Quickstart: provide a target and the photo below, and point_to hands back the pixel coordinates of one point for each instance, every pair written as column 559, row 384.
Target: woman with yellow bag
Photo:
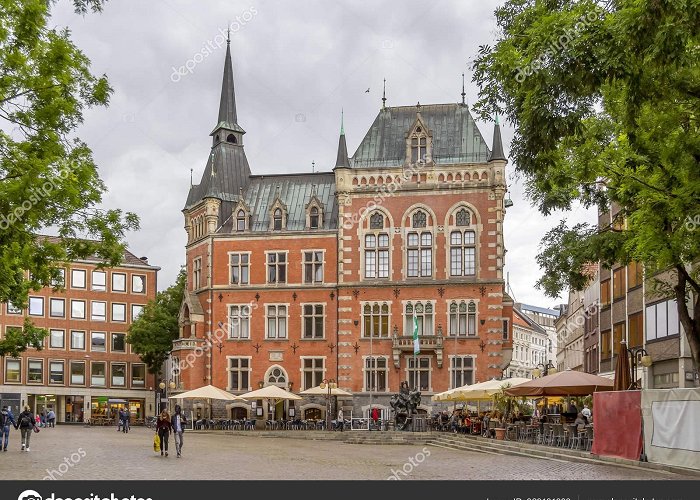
column 163, row 430
column 156, row 442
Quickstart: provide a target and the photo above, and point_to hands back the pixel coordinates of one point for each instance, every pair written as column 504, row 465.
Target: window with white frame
column 419, row 373
column 36, row 306
column 57, row 339
column 419, row 146
column 240, row 268
column 239, row 322
column 420, row 314
column 312, row 371
column 376, row 373
column 77, row 278
column 98, row 341
column 240, row 220
column 312, row 319
column 118, row 342
column 77, row 372
column 375, row 320
column 118, row 374
column 238, row 374
column 98, row 373
column 118, row 282
column 277, row 219
column 138, row 282
column 461, row 371
column 136, row 311
column 118, row 312
column 12, row 309
column 35, row 371
column 662, row 320
column 462, row 253
column 376, row 252
column 277, row 267
column 99, row 281
column 56, row 370
column 197, row 273
column 98, row 310
column 313, row 267
column 77, row 309
column 314, row 218
column 276, row 321
column 57, row 308
column 419, row 248
column 463, row 318
column 77, row 340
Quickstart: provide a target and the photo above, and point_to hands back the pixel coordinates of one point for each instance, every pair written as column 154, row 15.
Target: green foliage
column 16, row 341
column 511, row 405
column 151, row 335
column 605, row 101
column 48, row 179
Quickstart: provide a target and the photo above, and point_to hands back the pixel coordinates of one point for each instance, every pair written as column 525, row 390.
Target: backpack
column 25, row 420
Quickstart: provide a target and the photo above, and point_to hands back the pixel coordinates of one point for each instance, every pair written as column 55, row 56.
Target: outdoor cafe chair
column 577, row 437
column 589, row 438
column 558, row 436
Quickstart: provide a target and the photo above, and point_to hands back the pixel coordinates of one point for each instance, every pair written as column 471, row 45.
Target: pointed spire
column 342, row 121
column 463, row 93
column 228, row 118
column 342, row 161
column 497, row 147
column 384, row 95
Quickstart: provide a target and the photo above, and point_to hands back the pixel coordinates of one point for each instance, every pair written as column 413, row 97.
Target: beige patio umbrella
column 486, row 390
column 208, row 392
column 272, row 392
column 317, row 391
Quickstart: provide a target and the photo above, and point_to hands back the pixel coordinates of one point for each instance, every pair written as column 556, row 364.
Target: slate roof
column 227, row 170
column 538, row 309
column 128, row 258
column 456, row 138
column 295, row 191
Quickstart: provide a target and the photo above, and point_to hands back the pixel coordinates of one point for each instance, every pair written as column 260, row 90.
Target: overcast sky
column 296, row 65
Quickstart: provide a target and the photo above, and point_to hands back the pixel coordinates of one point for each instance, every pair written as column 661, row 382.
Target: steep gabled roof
column 456, row 138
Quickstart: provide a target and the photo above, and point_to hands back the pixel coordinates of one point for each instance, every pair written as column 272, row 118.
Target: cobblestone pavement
column 68, row 452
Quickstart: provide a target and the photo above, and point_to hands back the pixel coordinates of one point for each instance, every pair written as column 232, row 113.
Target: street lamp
column 639, row 356
column 548, row 369
column 330, row 385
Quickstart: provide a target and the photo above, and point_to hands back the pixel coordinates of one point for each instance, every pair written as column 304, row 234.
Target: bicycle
column 151, row 422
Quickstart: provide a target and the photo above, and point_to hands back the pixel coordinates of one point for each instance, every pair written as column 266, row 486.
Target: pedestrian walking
column 26, row 423
column 6, row 418
column 164, row 428
column 127, row 419
column 340, row 422
column 120, row 419
column 375, row 417
column 51, row 418
column 42, row 418
column 178, row 423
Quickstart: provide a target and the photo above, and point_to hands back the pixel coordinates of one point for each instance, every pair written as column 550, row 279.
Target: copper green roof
column 456, row 138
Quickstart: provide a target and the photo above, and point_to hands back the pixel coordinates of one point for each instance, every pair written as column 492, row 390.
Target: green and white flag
column 416, row 342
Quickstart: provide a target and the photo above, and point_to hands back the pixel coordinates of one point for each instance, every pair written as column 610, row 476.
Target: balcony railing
column 426, row 343
column 186, row 343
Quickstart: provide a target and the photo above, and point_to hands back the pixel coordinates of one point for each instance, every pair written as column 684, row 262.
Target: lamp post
column 638, row 356
column 548, row 369
column 163, row 393
column 330, row 385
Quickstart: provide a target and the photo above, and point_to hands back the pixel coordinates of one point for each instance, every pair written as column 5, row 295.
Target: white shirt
column 178, row 428
column 586, row 412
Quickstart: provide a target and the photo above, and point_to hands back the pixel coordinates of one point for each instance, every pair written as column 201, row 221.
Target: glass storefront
column 104, row 407
column 75, row 409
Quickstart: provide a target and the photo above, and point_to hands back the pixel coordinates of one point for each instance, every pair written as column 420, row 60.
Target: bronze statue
column 404, row 405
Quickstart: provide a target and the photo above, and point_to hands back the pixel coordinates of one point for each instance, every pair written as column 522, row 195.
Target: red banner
column 617, row 421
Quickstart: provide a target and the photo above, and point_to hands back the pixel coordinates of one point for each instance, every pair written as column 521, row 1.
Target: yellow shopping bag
column 156, row 443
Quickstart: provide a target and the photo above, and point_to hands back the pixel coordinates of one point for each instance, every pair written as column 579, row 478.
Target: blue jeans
column 5, row 431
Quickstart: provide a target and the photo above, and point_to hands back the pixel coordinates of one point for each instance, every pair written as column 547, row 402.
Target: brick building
column 297, row 278
column 85, row 366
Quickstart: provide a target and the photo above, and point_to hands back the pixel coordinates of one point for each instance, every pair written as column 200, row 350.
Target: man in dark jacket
column 6, row 419
column 178, row 422
column 26, row 423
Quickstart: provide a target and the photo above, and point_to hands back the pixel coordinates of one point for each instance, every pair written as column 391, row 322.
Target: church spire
column 228, row 118
column 497, row 146
column 342, row 161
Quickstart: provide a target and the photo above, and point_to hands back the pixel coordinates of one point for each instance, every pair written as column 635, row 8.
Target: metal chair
column 578, row 437
column 558, row 436
column 589, row 438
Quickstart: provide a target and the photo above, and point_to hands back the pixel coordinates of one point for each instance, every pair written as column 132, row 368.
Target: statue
column 404, row 404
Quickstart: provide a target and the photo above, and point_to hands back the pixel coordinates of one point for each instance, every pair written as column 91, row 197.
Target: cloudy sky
column 296, row 65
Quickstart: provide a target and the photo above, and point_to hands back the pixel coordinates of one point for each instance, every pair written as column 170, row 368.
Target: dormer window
column 240, row 221
column 231, row 138
column 313, row 218
column 277, row 220
column 419, row 148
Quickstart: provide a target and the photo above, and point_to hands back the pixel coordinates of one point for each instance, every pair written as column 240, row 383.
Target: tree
column 151, row 335
column 605, row 101
column 48, row 179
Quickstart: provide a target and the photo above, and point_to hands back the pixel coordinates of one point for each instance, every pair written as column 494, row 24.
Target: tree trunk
column 691, row 325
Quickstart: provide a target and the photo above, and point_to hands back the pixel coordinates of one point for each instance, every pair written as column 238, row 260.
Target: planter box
column 500, row 433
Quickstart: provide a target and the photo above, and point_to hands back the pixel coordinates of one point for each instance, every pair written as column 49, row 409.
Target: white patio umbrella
column 272, row 392
column 208, row 392
column 317, row 391
column 486, row 390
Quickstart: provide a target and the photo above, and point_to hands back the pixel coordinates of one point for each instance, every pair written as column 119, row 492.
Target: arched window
column 277, row 376
column 277, row 220
column 419, row 315
column 313, row 218
column 419, row 248
column 376, row 253
column 462, row 319
column 462, row 218
column 231, row 138
column 240, row 220
column 419, row 146
column 375, row 320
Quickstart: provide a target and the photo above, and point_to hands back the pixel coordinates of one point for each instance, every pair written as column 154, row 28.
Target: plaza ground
column 102, row 453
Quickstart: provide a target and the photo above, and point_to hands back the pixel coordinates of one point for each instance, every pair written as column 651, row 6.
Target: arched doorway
column 276, row 375
column 239, row 413
column 312, row 414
